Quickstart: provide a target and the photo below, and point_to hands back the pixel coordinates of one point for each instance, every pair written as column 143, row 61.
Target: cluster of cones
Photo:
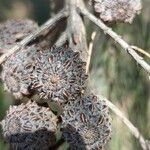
column 48, row 76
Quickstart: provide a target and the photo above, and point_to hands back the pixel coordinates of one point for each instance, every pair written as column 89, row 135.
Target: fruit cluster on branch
column 46, row 75
column 55, row 74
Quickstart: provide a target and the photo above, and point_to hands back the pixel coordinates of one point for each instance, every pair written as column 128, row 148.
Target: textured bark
column 76, row 29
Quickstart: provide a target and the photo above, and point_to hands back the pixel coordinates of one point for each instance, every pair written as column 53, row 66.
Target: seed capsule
column 89, row 127
column 52, row 76
column 117, row 10
column 13, row 31
column 29, row 126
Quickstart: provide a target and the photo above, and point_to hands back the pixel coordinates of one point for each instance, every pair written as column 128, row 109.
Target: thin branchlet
column 29, row 126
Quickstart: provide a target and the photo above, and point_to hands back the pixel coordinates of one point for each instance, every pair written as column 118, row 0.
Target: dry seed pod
column 86, row 123
column 117, row 10
column 13, row 31
column 60, row 75
column 56, row 74
column 16, row 72
column 29, row 126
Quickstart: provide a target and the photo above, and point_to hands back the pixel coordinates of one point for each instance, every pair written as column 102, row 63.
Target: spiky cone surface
column 117, row 10
column 86, row 123
column 29, row 126
column 56, row 74
column 13, row 31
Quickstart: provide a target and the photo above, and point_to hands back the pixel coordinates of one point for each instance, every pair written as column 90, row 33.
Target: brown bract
column 29, row 126
column 86, row 123
column 117, row 10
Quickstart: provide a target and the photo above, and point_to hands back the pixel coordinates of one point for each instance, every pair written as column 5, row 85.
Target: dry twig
column 62, row 39
column 116, row 37
column 46, row 26
column 132, row 128
column 90, row 51
column 142, row 51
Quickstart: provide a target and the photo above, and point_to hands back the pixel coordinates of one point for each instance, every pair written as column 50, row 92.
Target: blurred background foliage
column 113, row 73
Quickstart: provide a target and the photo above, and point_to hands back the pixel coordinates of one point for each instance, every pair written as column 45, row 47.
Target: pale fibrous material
column 29, row 126
column 86, row 123
column 117, row 10
column 14, row 30
column 56, row 74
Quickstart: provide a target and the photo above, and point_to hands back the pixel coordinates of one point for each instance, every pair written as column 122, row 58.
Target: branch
column 116, row 37
column 46, row 26
column 132, row 128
